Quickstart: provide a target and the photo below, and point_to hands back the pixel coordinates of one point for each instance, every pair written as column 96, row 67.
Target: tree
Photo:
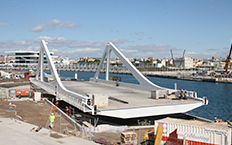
column 96, row 61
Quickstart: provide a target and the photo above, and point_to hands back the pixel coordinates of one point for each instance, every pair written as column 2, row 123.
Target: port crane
column 172, row 58
column 182, row 60
column 228, row 62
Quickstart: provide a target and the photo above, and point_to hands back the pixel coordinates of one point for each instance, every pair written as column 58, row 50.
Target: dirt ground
column 31, row 112
column 38, row 114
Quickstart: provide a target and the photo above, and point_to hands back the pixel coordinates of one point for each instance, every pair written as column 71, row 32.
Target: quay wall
column 159, row 72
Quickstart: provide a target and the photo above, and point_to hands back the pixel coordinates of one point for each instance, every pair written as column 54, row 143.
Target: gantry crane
column 227, row 62
column 172, row 58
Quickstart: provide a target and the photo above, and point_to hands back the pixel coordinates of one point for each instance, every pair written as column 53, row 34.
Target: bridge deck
column 139, row 102
column 135, row 98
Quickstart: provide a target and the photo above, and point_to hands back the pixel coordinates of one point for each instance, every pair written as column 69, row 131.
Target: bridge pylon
column 144, row 83
column 56, row 88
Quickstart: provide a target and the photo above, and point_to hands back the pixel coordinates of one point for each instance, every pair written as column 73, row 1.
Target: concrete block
column 100, row 100
column 37, row 96
column 155, row 94
column 165, row 96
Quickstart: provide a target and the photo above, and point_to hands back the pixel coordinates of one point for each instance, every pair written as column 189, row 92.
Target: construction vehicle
column 227, row 62
column 148, row 138
column 211, row 74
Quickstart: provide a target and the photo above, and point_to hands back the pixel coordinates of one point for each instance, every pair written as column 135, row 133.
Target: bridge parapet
column 81, row 102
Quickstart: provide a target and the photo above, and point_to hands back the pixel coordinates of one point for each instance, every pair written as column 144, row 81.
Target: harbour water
column 218, row 94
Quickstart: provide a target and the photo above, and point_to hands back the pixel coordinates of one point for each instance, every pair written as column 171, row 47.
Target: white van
column 8, row 76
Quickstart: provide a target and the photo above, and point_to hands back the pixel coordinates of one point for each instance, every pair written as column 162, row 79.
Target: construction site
column 23, row 120
column 34, row 110
column 36, row 113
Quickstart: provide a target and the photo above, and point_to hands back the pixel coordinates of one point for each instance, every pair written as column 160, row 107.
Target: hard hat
column 52, row 114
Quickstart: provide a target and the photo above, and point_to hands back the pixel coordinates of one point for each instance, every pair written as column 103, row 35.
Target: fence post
column 60, row 122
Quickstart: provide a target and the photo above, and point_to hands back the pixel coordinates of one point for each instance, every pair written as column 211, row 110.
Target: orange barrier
column 24, row 92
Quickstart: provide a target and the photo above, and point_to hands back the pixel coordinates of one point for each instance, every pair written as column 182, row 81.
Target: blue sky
column 139, row 28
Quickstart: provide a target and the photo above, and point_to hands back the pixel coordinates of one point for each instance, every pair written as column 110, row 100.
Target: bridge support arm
column 143, row 81
column 57, row 89
column 41, row 63
column 108, row 63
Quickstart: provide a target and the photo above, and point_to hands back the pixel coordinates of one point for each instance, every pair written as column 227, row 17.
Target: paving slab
column 16, row 132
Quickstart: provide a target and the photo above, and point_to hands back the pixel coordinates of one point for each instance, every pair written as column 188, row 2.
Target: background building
column 185, row 62
column 26, row 57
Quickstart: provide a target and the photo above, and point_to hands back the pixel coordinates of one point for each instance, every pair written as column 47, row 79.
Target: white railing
column 72, row 98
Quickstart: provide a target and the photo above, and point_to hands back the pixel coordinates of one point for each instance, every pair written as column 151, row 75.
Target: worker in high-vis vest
column 215, row 120
column 52, row 120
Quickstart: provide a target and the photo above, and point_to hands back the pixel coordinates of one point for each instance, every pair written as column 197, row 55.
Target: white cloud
column 212, row 49
column 30, row 48
column 55, row 50
column 220, row 53
column 139, row 33
column 62, row 46
column 118, row 41
column 52, row 24
column 147, row 50
column 124, row 50
column 73, row 48
column 38, row 28
column 190, row 53
column 70, row 25
column 2, row 23
column 151, row 47
column 85, row 50
column 59, row 45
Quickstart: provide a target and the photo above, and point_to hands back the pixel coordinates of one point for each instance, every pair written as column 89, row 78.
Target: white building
column 185, row 62
column 26, row 57
column 65, row 61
